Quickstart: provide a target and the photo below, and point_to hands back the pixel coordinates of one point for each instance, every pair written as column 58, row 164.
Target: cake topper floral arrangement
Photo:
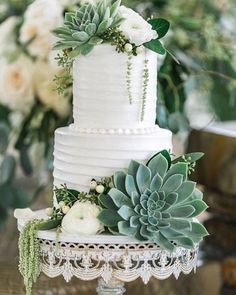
column 107, row 22
column 155, row 203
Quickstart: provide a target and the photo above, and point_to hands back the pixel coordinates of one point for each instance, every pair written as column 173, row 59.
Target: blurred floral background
column 202, row 38
column 192, row 94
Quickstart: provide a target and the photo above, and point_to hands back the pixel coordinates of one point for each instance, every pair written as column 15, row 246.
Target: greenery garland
column 128, row 78
column 29, row 251
column 145, row 84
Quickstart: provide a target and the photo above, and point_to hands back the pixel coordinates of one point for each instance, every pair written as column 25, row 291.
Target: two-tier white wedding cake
column 108, row 131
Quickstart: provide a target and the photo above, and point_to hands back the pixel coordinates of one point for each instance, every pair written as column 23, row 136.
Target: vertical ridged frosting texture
column 100, row 95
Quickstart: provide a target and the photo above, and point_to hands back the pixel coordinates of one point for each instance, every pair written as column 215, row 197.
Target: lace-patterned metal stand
column 113, row 259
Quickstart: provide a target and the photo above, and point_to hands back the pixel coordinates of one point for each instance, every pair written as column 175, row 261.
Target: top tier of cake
column 105, row 82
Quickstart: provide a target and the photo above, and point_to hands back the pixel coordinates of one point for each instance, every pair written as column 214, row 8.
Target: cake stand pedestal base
column 114, row 287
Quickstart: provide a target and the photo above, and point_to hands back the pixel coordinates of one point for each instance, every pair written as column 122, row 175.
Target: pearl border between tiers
column 120, row 131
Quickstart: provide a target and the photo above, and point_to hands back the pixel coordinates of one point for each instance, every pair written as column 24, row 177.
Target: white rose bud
column 93, row 185
column 49, row 211
column 65, row 209
column 61, row 204
column 128, row 47
column 139, row 50
column 100, row 189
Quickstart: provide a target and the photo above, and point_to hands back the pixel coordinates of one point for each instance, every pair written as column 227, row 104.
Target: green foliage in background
column 203, row 38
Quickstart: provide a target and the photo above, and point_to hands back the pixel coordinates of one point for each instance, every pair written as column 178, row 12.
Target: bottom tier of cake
column 80, row 157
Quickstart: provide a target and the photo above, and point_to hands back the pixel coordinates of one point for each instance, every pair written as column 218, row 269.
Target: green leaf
column 180, row 224
column 182, row 212
column 125, row 229
column 130, row 185
column 199, row 229
column 109, row 217
column 143, row 177
column 25, row 161
column 192, row 157
column 160, row 25
column 115, row 8
column 159, row 165
column 164, row 153
column 156, row 46
column 184, row 242
column 133, row 168
column 49, row 224
column 69, row 16
column 199, row 207
column 7, row 169
column 90, row 29
column 4, row 132
column 95, row 41
column 185, row 190
column 102, row 27
column 119, row 198
column 126, row 212
column 86, row 49
column 171, row 198
column 119, row 181
column 172, row 183
column 81, row 36
column 156, row 183
column 163, row 242
column 178, row 168
column 106, row 201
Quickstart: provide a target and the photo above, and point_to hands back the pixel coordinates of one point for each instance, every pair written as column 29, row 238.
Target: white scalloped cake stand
column 112, row 259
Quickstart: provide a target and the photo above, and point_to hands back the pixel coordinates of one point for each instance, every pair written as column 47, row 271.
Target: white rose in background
column 135, row 28
column 40, row 18
column 7, row 38
column 45, row 89
column 82, row 219
column 16, row 84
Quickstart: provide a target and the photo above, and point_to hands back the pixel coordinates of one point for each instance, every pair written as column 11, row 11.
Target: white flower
column 7, row 38
column 40, row 18
column 82, row 219
column 135, row 28
column 45, row 89
column 16, row 84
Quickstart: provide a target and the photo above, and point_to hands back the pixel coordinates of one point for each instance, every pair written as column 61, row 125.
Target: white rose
column 40, row 18
column 7, row 38
column 82, row 219
column 16, row 84
column 45, row 89
column 135, row 28
column 47, row 9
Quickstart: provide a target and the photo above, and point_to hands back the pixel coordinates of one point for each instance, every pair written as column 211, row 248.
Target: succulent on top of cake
column 108, row 22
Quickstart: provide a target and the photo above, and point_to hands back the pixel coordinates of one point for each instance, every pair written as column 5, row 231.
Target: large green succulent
column 82, row 29
column 155, row 202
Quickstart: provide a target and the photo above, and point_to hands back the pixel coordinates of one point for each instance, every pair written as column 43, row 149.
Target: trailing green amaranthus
column 29, row 250
column 155, row 202
column 83, row 28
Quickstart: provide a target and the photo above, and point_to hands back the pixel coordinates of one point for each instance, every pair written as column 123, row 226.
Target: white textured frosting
column 100, row 95
column 79, row 157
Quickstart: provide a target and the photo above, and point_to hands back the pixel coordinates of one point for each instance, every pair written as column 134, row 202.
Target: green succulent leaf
column 172, row 183
column 119, row 198
column 119, row 179
column 156, row 203
column 143, row 177
column 109, row 218
column 158, row 164
column 106, row 201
